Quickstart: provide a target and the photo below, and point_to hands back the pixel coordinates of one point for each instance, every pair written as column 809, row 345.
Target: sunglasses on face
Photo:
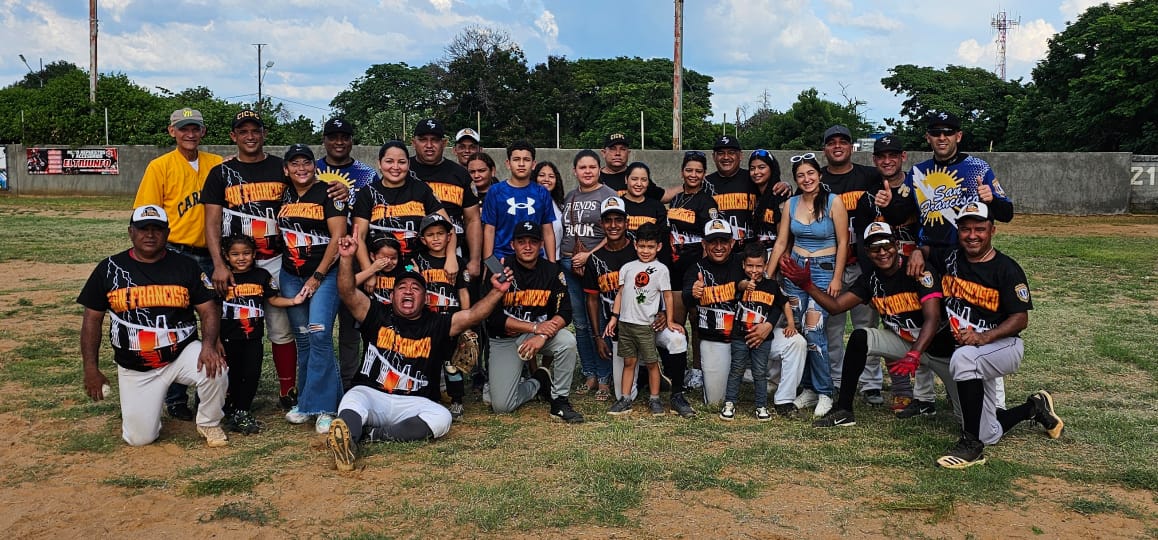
column 935, row 132
column 880, row 247
column 802, row 157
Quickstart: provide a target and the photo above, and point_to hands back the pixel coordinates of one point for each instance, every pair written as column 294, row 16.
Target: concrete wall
column 1072, row 184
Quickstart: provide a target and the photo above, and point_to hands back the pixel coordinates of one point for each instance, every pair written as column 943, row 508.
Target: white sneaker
column 806, row 399
column 295, row 417
column 823, row 405
column 323, row 423
column 728, row 412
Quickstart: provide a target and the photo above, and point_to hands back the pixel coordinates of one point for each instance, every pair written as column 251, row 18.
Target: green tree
column 487, row 79
column 387, row 96
column 982, row 101
column 1095, row 89
column 802, row 125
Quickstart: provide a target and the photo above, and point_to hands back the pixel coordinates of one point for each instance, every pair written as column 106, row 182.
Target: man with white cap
column 466, row 143
column 710, row 286
column 153, row 295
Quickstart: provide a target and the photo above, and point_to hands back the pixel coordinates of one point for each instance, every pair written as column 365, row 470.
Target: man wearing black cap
column 915, row 333
column 339, row 166
column 851, row 181
column 534, row 318
column 153, row 295
column 453, row 187
column 987, row 302
column 949, row 181
column 395, row 392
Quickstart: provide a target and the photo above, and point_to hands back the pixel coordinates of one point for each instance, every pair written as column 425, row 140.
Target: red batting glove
column 906, row 366
column 800, row 276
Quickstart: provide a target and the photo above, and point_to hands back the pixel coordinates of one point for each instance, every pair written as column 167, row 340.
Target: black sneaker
column 620, row 407
column 917, row 408
column 785, row 410
column 180, row 411
column 544, row 377
column 1045, row 415
column 561, row 410
column 656, row 407
column 966, row 453
column 873, row 397
column 289, row 400
column 244, row 422
column 680, row 406
column 836, row 418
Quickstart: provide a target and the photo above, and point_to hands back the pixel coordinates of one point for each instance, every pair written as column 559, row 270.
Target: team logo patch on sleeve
column 1022, row 292
column 997, row 188
column 562, row 279
column 206, row 281
column 927, row 280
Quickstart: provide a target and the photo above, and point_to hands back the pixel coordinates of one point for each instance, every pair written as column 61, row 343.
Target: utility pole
column 677, row 109
column 259, row 74
column 92, row 46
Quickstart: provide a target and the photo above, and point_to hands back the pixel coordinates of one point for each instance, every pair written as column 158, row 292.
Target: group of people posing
column 405, row 257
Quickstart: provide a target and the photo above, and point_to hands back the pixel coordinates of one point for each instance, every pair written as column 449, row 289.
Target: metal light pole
column 260, row 75
column 38, row 75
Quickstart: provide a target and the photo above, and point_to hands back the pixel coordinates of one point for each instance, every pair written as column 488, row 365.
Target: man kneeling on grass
column 395, row 390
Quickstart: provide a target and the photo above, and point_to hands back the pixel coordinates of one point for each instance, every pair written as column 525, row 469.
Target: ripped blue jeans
column 319, row 381
column 810, row 317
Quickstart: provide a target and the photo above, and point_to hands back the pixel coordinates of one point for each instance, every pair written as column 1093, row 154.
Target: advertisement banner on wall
column 72, row 161
column 3, row 169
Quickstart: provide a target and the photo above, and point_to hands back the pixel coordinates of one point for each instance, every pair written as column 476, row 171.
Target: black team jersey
column 304, row 229
column 396, row 211
column 602, row 276
column 765, row 303
column 766, row 217
column 687, row 215
column 250, row 195
column 735, row 199
column 980, row 295
column 404, row 356
column 150, row 304
column 452, row 187
column 536, row 294
column 441, row 292
column 243, row 308
column 716, row 311
column 898, row 299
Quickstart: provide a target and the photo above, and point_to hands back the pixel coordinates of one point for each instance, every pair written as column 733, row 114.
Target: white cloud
column 442, row 6
column 1026, row 44
column 1071, row 9
column 548, row 28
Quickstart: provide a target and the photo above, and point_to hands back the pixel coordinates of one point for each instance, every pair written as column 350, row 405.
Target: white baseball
column 106, row 389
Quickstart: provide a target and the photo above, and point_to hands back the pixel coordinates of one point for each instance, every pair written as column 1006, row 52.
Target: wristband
column 319, row 276
column 614, row 314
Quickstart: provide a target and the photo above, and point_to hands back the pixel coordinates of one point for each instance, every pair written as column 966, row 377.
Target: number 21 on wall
column 1139, row 173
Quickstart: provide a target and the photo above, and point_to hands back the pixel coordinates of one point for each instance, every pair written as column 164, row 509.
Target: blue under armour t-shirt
column 506, row 205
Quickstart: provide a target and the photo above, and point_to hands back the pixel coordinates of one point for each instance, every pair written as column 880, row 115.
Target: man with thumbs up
column 711, row 286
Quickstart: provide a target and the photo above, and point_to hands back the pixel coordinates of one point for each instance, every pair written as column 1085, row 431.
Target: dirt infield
column 112, row 490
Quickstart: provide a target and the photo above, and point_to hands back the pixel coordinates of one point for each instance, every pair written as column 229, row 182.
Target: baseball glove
column 466, row 353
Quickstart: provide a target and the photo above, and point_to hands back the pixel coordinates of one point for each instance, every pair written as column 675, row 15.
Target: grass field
column 1091, row 342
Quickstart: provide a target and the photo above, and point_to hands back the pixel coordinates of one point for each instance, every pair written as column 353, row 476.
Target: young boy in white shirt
column 642, row 283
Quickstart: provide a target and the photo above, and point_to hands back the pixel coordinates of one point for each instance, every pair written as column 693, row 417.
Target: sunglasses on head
column 693, row 153
column 941, row 131
column 802, row 157
column 762, row 153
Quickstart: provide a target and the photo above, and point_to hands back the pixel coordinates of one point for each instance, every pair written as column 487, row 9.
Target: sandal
column 602, row 394
column 584, row 389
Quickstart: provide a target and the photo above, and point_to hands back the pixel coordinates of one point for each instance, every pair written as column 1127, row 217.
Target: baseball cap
column 612, row 205
column 528, row 229
column 888, row 143
column 183, row 117
column 614, row 139
column 409, row 271
column 836, row 130
column 879, row 230
column 977, row 210
column 149, row 214
column 430, row 126
column 717, row 228
column 338, row 125
column 467, row 133
column 247, row 116
column 431, row 220
column 942, row 118
column 298, row 149
column 727, row 141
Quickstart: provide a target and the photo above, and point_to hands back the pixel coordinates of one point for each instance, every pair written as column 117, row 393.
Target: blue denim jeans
column 744, row 358
column 817, row 375
column 589, row 360
column 319, row 381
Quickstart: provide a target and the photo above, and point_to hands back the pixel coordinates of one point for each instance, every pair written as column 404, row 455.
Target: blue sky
column 749, row 46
